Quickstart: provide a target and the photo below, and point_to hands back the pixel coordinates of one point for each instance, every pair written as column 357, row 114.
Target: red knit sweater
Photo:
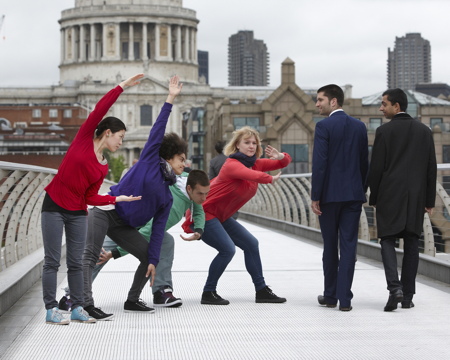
column 235, row 185
column 80, row 174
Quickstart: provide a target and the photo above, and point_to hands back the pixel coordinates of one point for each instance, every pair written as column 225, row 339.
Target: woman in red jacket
column 236, row 184
column 76, row 185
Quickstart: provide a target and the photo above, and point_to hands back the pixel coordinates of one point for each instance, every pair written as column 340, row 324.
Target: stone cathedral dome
column 105, row 40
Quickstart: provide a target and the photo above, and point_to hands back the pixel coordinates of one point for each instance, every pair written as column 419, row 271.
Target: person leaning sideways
column 189, row 192
column 236, row 184
column 339, row 171
column 402, row 180
column 76, row 184
column 161, row 160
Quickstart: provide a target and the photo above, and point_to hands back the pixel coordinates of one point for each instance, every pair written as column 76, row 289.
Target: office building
column 248, row 60
column 409, row 63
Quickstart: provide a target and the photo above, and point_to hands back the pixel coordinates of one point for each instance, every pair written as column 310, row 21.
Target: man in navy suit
column 339, row 170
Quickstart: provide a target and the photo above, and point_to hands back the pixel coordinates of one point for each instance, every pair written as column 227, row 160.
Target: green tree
column 116, row 166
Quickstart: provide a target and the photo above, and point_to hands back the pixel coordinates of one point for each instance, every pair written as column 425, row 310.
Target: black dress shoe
column 342, row 308
column 394, row 299
column 322, row 301
column 407, row 304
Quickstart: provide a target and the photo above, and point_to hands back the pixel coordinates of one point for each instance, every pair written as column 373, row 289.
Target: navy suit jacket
column 340, row 159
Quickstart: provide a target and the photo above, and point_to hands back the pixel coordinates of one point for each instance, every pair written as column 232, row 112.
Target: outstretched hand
column 194, row 236
column 104, row 257
column 121, row 198
column 276, row 177
column 273, row 154
column 151, row 271
column 134, row 80
column 174, row 88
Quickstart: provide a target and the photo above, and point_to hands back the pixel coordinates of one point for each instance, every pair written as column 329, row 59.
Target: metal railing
column 289, row 200
column 21, row 195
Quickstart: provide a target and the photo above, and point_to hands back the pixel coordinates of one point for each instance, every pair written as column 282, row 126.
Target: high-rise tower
column 409, row 63
column 248, row 60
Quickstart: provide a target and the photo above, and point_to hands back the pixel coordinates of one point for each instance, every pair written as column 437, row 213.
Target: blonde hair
column 243, row 133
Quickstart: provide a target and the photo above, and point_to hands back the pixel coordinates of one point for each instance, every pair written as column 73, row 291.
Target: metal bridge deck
column 298, row 329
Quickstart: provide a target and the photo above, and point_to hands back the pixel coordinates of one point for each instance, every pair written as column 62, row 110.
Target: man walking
column 339, row 170
column 402, row 182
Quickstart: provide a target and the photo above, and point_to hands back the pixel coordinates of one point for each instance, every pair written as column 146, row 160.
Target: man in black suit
column 402, row 180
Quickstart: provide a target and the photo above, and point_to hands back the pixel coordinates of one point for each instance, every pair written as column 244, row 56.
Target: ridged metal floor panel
column 298, row 329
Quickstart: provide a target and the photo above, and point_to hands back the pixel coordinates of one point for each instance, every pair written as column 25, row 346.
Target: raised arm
column 174, row 89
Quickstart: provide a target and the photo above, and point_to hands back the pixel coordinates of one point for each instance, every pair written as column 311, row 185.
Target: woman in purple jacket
column 162, row 158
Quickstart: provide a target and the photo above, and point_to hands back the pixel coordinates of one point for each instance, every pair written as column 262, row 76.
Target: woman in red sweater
column 76, row 184
column 236, row 184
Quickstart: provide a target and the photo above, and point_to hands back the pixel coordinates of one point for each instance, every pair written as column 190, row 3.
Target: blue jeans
column 224, row 237
column 75, row 226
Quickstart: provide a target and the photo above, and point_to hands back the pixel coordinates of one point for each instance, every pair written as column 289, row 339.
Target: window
column 37, row 113
column 53, row 113
column 146, row 115
column 446, row 153
column 300, row 157
column 435, row 121
column 125, row 51
column 67, row 113
column 240, row 122
column 374, row 123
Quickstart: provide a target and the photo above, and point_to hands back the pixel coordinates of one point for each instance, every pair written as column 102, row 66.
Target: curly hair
column 172, row 145
column 243, row 133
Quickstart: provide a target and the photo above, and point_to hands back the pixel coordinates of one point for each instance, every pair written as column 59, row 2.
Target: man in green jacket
column 189, row 191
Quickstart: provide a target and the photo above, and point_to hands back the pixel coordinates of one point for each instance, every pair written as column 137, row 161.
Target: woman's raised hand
column 273, row 154
column 134, row 80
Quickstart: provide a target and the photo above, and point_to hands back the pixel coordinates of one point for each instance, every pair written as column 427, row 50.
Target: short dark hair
column 397, row 96
column 219, row 146
column 112, row 123
column 172, row 145
column 332, row 91
column 197, row 177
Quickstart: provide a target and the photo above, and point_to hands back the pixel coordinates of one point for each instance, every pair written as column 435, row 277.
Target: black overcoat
column 402, row 175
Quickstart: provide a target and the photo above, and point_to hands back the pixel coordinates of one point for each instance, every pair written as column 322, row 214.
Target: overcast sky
column 330, row 41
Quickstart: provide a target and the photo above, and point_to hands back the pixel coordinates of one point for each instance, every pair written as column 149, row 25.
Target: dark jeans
column 53, row 224
column 100, row 224
column 224, row 237
column 409, row 265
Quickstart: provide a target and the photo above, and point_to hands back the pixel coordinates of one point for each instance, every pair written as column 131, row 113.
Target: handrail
column 21, row 195
column 289, row 200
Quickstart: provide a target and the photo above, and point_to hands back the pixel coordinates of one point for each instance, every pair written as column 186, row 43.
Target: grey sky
column 343, row 42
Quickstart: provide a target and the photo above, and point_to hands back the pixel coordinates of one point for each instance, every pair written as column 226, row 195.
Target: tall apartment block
column 248, row 60
column 409, row 63
column 203, row 65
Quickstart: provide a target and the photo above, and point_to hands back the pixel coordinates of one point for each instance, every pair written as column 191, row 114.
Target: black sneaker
column 138, row 306
column 65, row 305
column 213, row 298
column 98, row 313
column 165, row 298
column 266, row 295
